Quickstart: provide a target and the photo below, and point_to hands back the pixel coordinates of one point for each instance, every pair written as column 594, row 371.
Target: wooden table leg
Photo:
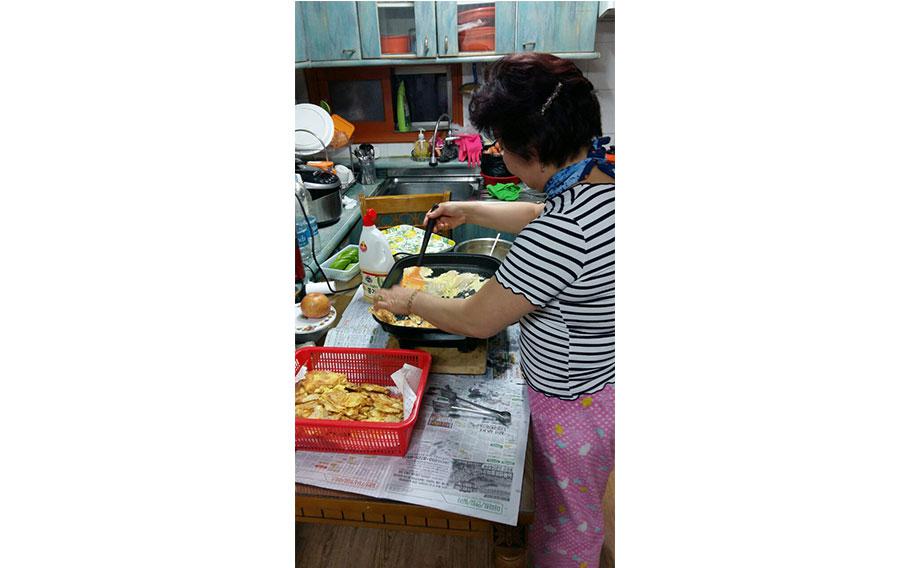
column 510, row 546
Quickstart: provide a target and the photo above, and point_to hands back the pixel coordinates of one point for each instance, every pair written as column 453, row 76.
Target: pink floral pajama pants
column 573, row 456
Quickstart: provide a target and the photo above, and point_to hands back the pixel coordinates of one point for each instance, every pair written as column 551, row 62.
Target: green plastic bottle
column 404, row 114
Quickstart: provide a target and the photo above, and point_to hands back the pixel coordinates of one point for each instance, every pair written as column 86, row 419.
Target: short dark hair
column 508, row 107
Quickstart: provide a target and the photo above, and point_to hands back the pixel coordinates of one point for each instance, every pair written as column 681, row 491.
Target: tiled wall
column 598, row 71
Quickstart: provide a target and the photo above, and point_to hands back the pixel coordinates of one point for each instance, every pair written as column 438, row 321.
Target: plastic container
column 406, row 239
column 343, row 126
column 394, row 44
column 376, row 259
column 340, row 275
column 421, row 148
column 305, row 232
column 361, row 366
column 487, row 14
column 314, row 232
column 477, row 39
column 402, row 110
column 301, row 229
column 490, row 180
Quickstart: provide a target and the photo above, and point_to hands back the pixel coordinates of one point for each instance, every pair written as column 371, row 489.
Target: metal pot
column 484, row 246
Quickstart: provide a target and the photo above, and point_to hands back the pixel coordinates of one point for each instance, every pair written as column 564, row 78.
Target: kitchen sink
column 463, row 187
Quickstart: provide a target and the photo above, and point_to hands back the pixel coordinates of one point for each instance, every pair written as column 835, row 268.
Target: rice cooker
column 325, row 195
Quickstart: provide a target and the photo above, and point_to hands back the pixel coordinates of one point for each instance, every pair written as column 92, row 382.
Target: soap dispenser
column 421, row 148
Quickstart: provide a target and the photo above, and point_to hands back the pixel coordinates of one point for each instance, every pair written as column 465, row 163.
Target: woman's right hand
column 448, row 215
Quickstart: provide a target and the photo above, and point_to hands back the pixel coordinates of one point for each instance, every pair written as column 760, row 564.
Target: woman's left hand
column 395, row 299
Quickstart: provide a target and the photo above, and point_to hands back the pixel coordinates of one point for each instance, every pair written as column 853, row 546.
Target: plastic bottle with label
column 305, row 229
column 302, row 229
column 376, row 257
column 421, row 149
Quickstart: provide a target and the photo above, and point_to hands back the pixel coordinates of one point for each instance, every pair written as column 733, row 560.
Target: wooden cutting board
column 451, row 361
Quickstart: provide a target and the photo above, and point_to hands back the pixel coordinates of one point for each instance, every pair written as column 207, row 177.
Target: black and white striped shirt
column 563, row 263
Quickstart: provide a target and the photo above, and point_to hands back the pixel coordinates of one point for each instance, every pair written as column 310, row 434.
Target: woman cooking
column 557, row 280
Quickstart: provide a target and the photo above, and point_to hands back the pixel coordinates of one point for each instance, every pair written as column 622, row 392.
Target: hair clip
column 546, row 105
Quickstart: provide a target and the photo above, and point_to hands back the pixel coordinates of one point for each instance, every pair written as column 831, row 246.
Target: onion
column 315, row 305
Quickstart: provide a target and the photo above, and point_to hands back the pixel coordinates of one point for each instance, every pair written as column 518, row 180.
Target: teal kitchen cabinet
column 366, row 33
column 447, row 28
column 498, row 15
column 556, row 27
column 399, row 30
column 505, row 27
column 299, row 35
column 331, row 31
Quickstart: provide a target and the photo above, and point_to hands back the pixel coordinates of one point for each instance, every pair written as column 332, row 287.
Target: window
column 367, row 96
column 357, row 101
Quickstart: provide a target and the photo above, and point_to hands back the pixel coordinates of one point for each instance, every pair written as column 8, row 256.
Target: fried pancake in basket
column 368, row 387
column 327, row 395
column 318, row 381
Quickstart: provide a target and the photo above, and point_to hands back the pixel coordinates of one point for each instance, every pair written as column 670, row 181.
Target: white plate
column 307, row 326
column 316, row 120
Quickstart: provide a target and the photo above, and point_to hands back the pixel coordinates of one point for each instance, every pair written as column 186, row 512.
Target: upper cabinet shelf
column 564, row 27
column 393, row 30
column 466, row 29
column 331, row 31
column 335, row 34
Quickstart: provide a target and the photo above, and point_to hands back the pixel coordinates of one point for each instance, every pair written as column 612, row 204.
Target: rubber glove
column 462, row 148
column 504, row 191
column 474, row 149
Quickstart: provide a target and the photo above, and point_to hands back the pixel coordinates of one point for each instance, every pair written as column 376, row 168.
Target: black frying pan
column 408, row 337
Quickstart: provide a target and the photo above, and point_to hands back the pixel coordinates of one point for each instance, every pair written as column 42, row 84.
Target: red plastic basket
column 361, row 366
column 490, row 180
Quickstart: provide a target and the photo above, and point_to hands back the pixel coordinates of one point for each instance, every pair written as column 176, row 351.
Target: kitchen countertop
column 527, row 195
column 332, row 236
column 404, row 162
column 320, row 505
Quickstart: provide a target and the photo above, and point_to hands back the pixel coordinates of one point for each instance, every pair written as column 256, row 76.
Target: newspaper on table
column 357, row 327
column 457, row 461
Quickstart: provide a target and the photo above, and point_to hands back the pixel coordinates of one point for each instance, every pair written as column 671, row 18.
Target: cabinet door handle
column 348, row 52
column 447, row 44
column 527, row 43
column 426, row 44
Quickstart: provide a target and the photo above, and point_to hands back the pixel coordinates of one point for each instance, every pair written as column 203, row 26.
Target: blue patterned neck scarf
column 574, row 173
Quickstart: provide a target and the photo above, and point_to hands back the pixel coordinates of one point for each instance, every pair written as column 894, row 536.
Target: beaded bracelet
column 411, row 300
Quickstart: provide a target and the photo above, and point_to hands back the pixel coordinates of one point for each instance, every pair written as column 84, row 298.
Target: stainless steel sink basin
column 463, row 187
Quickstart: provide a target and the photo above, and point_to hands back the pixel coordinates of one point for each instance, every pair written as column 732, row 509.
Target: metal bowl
column 483, row 246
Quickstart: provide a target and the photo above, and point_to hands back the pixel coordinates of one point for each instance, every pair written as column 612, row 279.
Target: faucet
column 433, row 161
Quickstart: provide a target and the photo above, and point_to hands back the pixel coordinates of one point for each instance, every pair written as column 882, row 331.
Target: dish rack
column 361, row 366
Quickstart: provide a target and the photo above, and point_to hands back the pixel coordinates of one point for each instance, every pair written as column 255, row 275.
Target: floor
column 328, row 546
column 331, row 546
